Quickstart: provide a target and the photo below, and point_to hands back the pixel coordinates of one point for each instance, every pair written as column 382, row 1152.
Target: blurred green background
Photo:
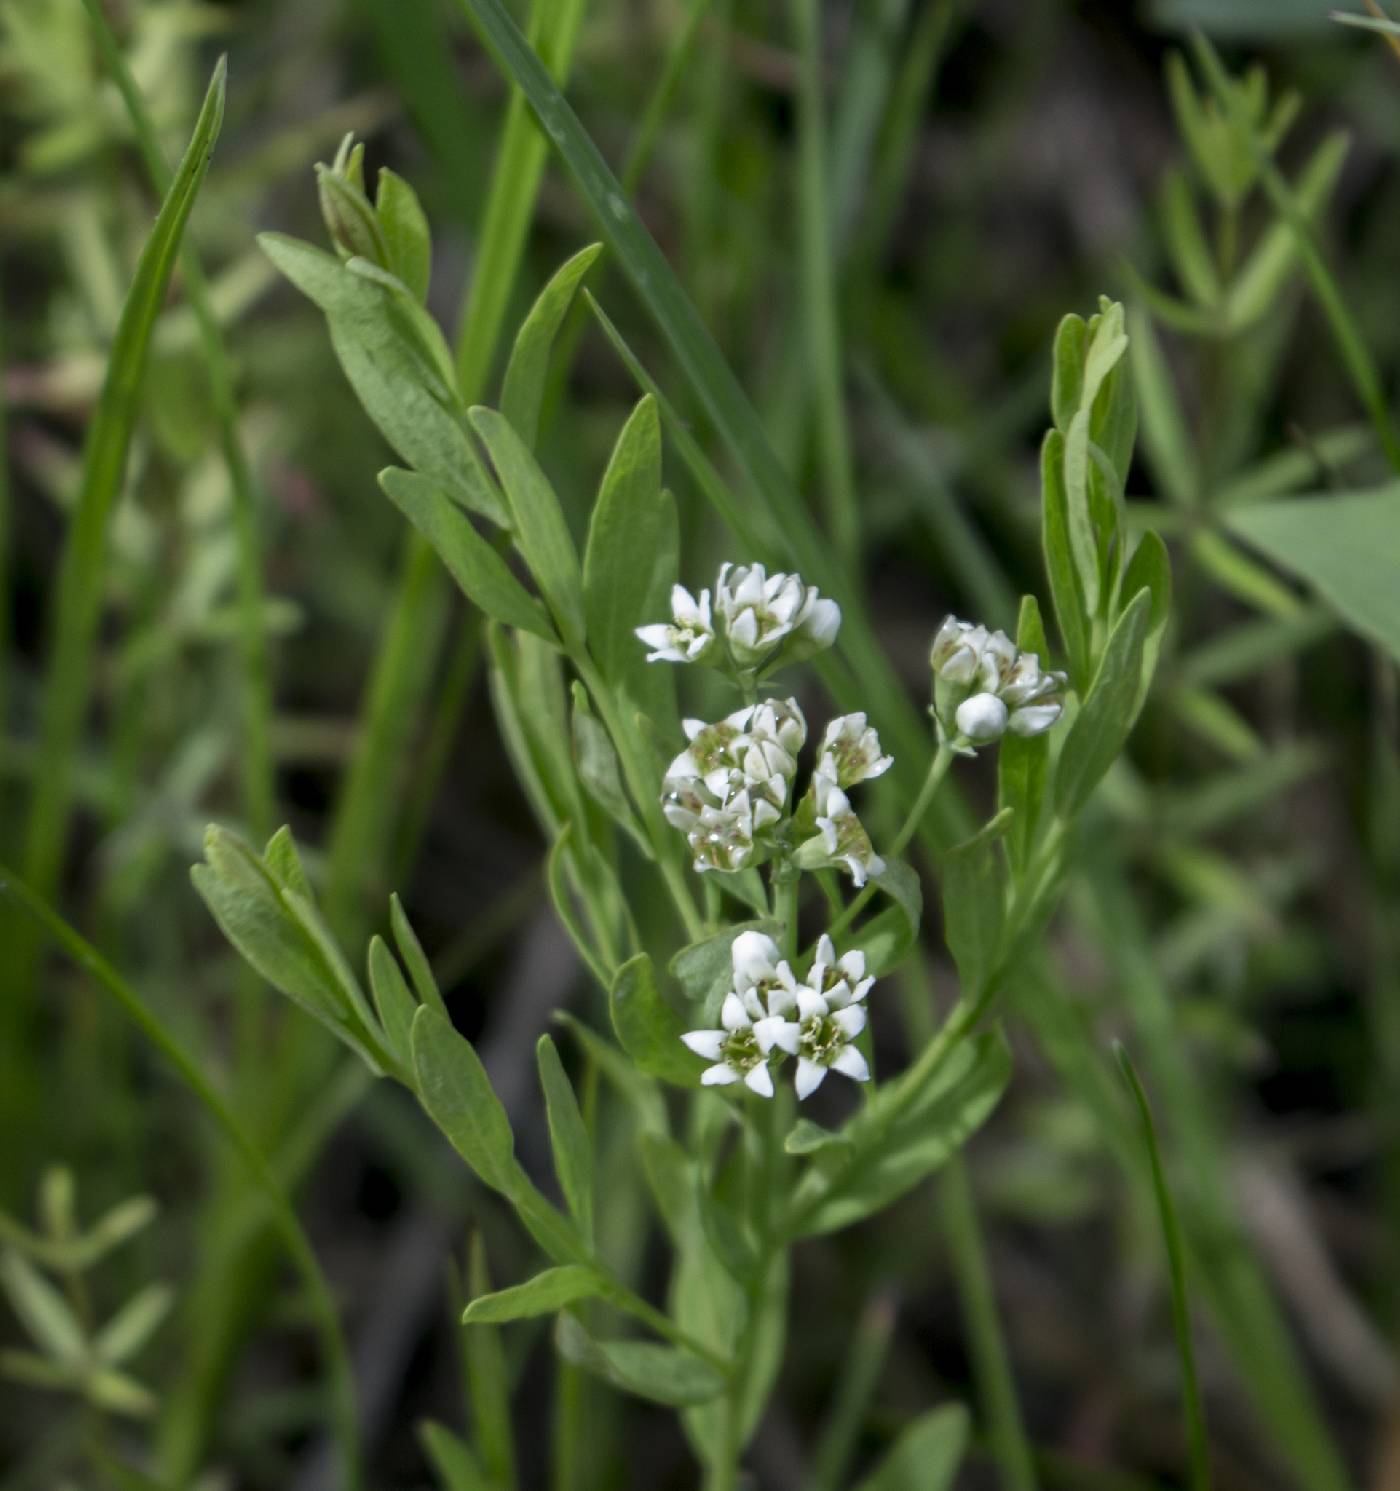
column 982, row 167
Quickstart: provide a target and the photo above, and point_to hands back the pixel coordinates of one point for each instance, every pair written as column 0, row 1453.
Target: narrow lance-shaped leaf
column 1065, row 588
column 77, row 598
column 523, row 392
column 663, row 1374
column 407, row 238
column 393, row 1001
column 480, row 572
column 927, row 1454
column 540, row 529
column 568, row 1135
column 542, row 1295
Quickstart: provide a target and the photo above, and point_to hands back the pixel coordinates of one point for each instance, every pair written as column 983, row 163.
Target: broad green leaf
column 77, row 597
column 901, row 883
column 542, row 1295
column 892, row 1150
column 41, row 1309
column 399, row 381
column 1065, row 587
column 648, row 1029
column 663, row 1374
column 480, row 572
column 457, row 1468
column 1106, row 717
column 407, row 238
column 1347, row 548
column 1023, row 761
column 134, row 1324
column 540, row 529
column 393, row 1001
column 627, row 527
column 411, row 951
column 568, row 1136
column 457, row 1095
column 974, row 911
column 522, row 395
column 927, row 1454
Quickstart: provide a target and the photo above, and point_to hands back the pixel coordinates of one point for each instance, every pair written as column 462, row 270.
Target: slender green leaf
column 974, row 911
column 540, row 529
column 483, row 576
column 522, row 394
column 393, row 1001
column 457, row 1468
column 411, row 951
column 542, row 1295
column 42, row 1310
column 1065, row 587
column 927, row 1454
column 488, row 1379
column 663, row 1374
column 134, row 1324
column 404, row 227
column 568, row 1135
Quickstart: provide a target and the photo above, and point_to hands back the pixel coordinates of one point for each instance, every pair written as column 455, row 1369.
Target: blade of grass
column 1355, row 357
column 820, row 316
column 337, row 1360
column 258, row 778
column 1176, row 1261
column 844, row 1416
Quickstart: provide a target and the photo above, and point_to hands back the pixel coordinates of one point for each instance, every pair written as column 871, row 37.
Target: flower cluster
column 730, row 791
column 757, row 622
column 989, row 687
column 769, row 1015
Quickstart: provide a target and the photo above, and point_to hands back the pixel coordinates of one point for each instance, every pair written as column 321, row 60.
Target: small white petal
column 775, row 1031
column 755, row 956
column 823, row 622
column 657, row 634
column 1033, row 719
column 850, row 1063
column 826, row 950
column 705, row 1043
column 809, row 1077
column 810, row 1004
column 684, row 607
column 733, row 1015
column 718, row 1076
column 760, row 1080
column 851, row 1020
column 743, row 630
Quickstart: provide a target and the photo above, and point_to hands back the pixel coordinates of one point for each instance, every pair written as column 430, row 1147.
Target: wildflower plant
column 766, row 975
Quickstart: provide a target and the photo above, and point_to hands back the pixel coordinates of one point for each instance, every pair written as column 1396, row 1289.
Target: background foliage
column 881, row 212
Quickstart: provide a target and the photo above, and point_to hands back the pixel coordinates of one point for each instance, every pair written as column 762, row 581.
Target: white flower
column 851, row 752
column 840, row 981
column 733, row 1050
column 761, row 975
column 750, row 753
column 957, row 650
column 690, row 635
column 824, row 1041
column 841, row 837
column 723, row 835
column 761, row 613
column 981, row 718
column 1033, row 697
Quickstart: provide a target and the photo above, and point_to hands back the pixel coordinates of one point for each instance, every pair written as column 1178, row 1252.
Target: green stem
column 337, row 1358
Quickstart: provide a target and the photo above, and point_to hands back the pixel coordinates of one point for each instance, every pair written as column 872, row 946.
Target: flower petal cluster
column 758, row 622
column 987, row 686
column 769, row 1015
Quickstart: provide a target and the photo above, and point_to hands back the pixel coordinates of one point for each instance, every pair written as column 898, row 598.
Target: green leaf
column 1024, row 761
column 1347, row 548
column 1101, row 728
column 457, row 1095
column 806, row 1137
column 522, row 395
column 568, row 1136
column 628, row 522
column 926, row 1455
column 398, row 379
column 457, row 1468
column 488, row 1381
column 480, row 572
column 77, row 597
column 705, row 969
column 1067, row 370
column 1186, row 240
column 892, row 1150
column 408, row 240
column 41, row 1309
column 133, row 1325
column 283, row 863
column 648, row 1029
column 974, row 911
column 540, row 529
column 1165, row 438
column 600, row 771
column 543, row 1295
column 411, row 951
column 349, row 218
column 393, row 1000
column 663, row 1374
column 1065, row 587
column 1150, row 569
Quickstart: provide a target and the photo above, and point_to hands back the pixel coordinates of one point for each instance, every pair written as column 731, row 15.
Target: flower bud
column 982, row 718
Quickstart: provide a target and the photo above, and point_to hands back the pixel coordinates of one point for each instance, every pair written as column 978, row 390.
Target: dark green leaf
column 705, row 969
column 648, row 1029
column 393, row 1001
column 411, row 951
column 1065, row 587
column 974, row 910
column 568, row 1135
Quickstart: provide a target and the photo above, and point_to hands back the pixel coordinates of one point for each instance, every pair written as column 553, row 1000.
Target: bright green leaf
column 542, row 1295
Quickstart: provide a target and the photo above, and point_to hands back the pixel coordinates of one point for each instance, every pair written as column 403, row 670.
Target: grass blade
column 1176, row 1260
